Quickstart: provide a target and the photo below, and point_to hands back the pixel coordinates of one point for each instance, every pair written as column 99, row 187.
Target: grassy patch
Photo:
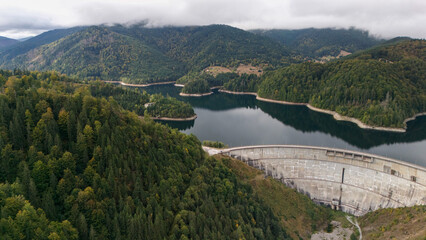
column 395, row 223
column 298, row 214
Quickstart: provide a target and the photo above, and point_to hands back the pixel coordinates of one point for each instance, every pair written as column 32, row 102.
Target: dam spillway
column 350, row 181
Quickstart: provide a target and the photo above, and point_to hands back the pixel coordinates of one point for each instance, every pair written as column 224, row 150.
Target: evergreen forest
column 76, row 166
column 381, row 86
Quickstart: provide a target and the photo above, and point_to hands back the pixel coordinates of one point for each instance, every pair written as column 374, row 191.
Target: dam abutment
column 350, row 181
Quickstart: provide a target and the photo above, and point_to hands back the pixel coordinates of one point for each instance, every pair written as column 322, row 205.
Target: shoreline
column 175, row 119
column 195, row 94
column 140, row 85
column 183, row 85
column 335, row 115
column 414, row 117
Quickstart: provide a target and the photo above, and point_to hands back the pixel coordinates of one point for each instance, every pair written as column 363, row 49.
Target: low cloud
column 388, row 18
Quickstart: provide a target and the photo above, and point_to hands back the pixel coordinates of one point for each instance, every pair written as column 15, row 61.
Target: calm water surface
column 242, row 120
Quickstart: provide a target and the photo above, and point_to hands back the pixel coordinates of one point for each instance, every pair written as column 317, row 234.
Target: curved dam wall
column 353, row 182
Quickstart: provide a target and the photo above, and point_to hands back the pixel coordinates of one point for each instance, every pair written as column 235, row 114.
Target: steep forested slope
column 95, row 171
column 97, row 53
column 312, row 42
column 138, row 54
column 202, row 46
column 399, row 223
column 382, row 86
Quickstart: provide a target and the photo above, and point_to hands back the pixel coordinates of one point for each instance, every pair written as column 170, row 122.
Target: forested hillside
column 77, row 166
column 399, row 223
column 141, row 102
column 138, row 54
column 202, row 46
column 169, row 107
column 314, row 43
column 382, row 86
column 97, row 53
column 197, row 86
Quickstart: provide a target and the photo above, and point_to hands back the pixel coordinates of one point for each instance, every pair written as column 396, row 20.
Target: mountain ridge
column 319, row 42
column 7, row 42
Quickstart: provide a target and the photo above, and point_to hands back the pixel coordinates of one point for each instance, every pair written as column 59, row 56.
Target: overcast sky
column 386, row 18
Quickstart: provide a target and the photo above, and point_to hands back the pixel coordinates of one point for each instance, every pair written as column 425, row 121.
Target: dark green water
column 239, row 120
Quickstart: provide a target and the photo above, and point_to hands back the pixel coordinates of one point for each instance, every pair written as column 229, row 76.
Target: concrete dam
column 350, row 181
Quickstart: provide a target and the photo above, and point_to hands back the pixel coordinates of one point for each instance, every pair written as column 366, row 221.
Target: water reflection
column 242, row 120
column 182, row 126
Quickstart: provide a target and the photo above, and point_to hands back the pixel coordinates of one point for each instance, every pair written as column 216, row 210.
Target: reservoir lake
column 240, row 120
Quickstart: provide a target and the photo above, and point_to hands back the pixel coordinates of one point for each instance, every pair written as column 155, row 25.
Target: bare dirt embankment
column 140, row 85
column 338, row 233
column 195, row 94
column 172, row 119
column 241, row 69
column 335, row 115
column 175, row 119
column 215, row 70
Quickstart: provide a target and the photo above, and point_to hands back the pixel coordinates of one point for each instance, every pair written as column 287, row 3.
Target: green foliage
column 141, row 55
column 329, row 228
column 243, row 83
column 91, row 170
column 130, row 99
column 296, row 212
column 196, row 86
column 223, row 78
column 215, row 144
column 190, row 76
column 316, row 43
column 387, row 223
column 20, row 220
column 203, row 46
column 296, row 83
column 169, row 107
column 219, row 80
column 195, row 82
column 134, row 100
column 381, row 87
column 97, row 53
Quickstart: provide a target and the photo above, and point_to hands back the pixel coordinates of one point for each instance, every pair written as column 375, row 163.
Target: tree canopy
column 78, row 166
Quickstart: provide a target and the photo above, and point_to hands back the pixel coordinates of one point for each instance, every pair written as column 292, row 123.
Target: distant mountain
column 37, row 41
column 24, row 39
column 138, row 54
column 314, row 43
column 98, row 53
column 202, row 46
column 7, row 42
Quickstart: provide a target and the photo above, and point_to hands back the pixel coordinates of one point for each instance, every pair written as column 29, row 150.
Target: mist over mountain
column 314, row 42
column 138, row 54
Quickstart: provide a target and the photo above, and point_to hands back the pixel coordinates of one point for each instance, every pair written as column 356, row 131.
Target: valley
column 102, row 132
